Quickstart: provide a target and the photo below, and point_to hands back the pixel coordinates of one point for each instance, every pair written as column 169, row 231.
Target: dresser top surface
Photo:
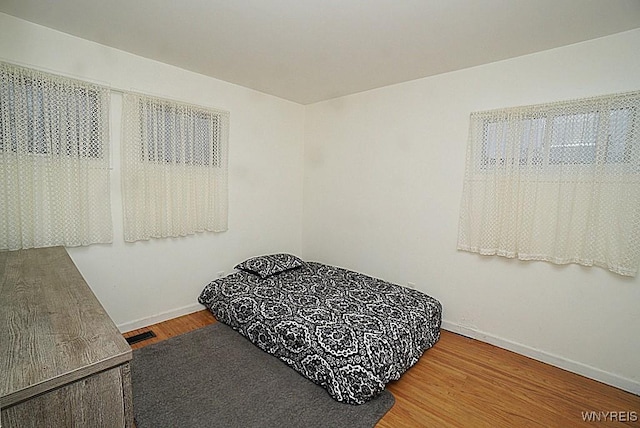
column 53, row 330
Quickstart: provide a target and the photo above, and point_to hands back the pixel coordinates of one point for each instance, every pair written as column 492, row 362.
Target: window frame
column 36, row 89
column 544, row 159
column 211, row 141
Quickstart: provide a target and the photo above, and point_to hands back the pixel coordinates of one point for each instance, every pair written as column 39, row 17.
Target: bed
column 348, row 332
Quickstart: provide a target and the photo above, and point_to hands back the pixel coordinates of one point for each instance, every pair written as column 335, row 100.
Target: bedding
column 270, row 264
column 348, row 332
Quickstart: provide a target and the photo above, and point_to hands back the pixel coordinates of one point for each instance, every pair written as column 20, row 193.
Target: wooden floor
column 462, row 382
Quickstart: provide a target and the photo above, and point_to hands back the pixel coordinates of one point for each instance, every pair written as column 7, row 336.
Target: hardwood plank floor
column 173, row 327
column 462, row 382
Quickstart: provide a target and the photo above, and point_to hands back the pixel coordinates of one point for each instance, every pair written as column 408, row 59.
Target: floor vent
column 140, row 337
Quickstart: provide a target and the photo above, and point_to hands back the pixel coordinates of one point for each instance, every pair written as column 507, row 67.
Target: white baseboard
column 163, row 316
column 625, row 384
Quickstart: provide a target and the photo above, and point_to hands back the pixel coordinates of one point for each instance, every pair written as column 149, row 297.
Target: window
column 54, row 160
column 76, row 120
column 557, row 182
column 167, row 127
column 174, row 168
column 572, row 139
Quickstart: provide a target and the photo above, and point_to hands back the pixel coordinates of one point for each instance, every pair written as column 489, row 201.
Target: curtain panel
column 556, row 182
column 174, row 168
column 54, row 160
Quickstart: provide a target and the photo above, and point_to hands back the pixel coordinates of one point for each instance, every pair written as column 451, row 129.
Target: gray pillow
column 270, row 264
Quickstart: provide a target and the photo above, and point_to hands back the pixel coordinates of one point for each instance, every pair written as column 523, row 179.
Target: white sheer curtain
column 54, row 161
column 557, row 182
column 174, row 168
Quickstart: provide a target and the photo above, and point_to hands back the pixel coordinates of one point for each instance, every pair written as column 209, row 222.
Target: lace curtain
column 54, row 161
column 174, row 168
column 557, row 182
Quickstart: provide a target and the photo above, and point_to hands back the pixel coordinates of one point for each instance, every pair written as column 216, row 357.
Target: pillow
column 270, row 264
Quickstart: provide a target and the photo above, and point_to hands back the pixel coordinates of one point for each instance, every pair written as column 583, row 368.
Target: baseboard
column 545, row 357
column 163, row 316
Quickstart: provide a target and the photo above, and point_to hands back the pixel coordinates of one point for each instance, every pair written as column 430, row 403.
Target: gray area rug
column 214, row 377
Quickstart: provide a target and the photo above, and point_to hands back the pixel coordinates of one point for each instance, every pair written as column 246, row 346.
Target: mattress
column 346, row 331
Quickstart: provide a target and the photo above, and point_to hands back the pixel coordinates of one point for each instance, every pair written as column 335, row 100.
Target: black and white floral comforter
column 348, row 332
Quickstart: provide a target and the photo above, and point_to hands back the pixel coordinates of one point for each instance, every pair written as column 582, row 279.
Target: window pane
column 619, row 147
column 573, row 139
column 70, row 112
column 178, row 135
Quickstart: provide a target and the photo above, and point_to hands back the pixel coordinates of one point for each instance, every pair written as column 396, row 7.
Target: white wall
column 382, row 190
column 144, row 282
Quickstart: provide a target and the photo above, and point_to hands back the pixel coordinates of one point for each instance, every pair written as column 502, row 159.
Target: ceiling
column 308, row 51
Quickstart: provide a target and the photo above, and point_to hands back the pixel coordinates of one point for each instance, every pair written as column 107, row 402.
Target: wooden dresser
column 63, row 362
